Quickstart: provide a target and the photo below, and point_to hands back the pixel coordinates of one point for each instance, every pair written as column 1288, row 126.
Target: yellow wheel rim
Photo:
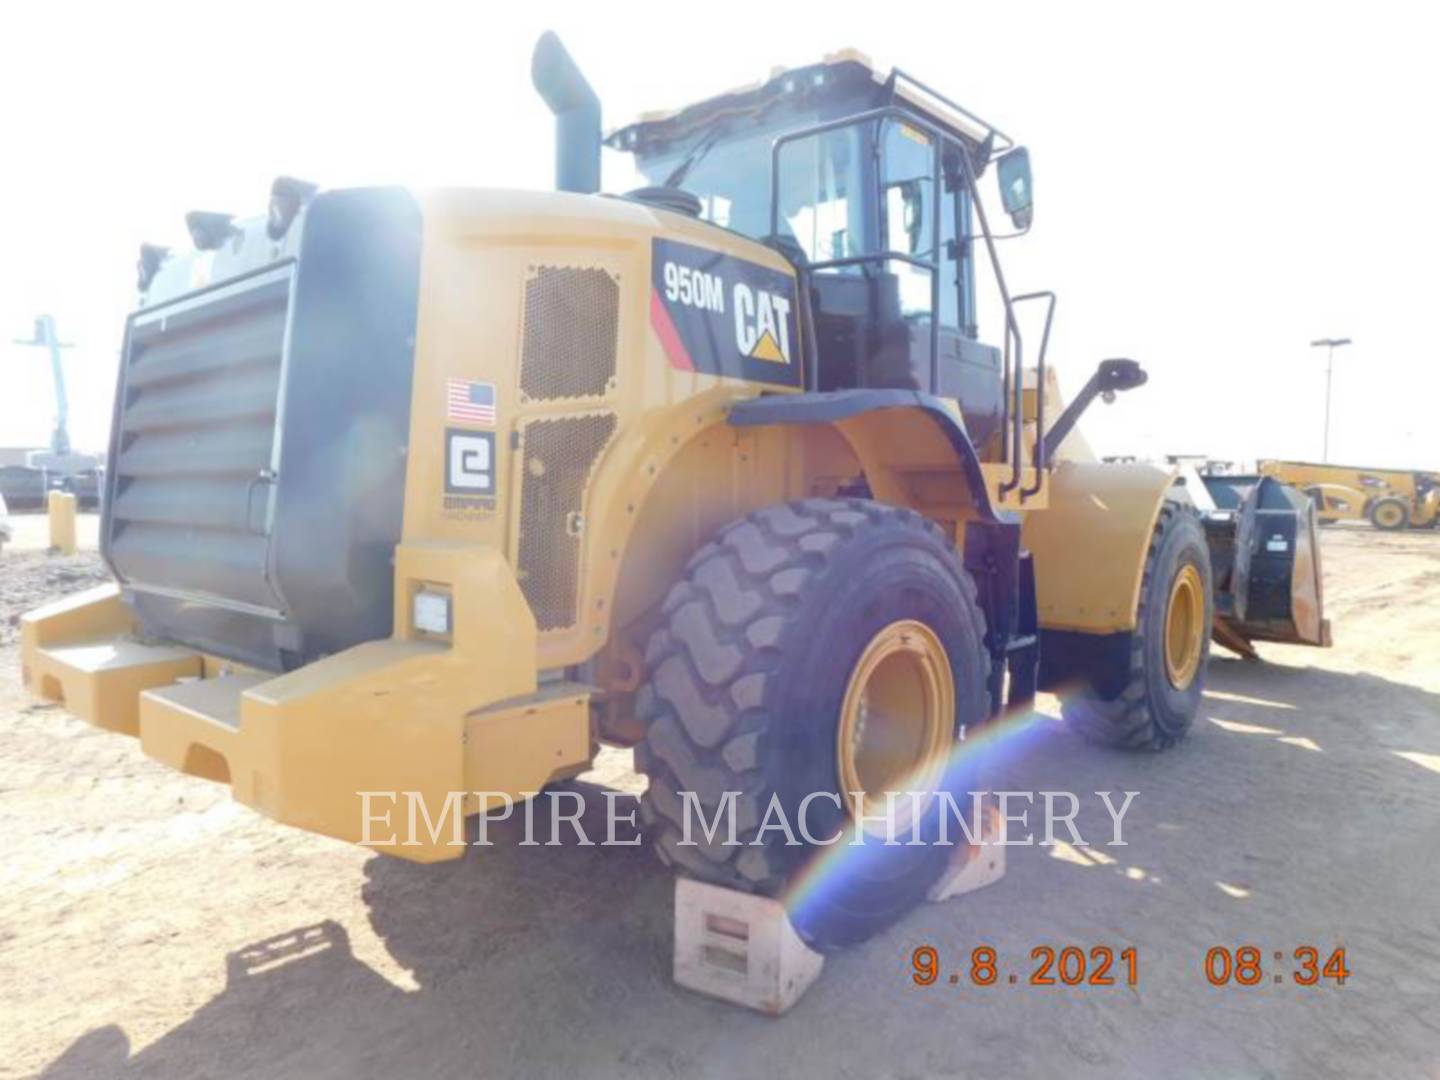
column 1388, row 514
column 898, row 717
column 1185, row 628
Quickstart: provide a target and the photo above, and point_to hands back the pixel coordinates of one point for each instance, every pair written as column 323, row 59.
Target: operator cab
column 866, row 183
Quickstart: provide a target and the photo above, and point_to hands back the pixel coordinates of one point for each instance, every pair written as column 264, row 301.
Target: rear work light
column 288, row 197
column 152, row 257
column 208, row 230
column 430, row 612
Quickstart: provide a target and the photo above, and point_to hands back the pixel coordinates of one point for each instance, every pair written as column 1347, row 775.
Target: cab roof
column 843, row 82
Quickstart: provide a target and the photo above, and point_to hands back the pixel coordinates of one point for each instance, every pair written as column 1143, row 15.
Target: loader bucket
column 1266, row 558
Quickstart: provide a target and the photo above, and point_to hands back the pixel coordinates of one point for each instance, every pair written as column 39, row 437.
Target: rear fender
column 930, row 466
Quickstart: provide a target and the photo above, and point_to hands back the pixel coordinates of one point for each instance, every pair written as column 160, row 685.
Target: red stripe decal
column 664, row 327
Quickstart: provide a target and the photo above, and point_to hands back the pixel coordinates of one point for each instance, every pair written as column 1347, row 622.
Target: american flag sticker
column 468, row 402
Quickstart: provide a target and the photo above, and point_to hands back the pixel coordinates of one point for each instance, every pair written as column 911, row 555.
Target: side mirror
column 1113, row 376
column 1017, row 193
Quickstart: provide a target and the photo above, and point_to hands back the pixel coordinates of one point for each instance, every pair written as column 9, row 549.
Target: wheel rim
column 897, row 718
column 1388, row 514
column 1184, row 627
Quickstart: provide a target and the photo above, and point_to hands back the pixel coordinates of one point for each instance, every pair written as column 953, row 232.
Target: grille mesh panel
column 559, row 458
column 571, row 321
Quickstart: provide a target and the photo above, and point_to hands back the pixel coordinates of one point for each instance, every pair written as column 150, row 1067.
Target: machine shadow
column 287, row 1002
column 1288, row 774
column 1354, row 709
column 493, row 940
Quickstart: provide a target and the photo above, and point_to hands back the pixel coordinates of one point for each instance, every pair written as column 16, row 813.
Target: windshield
column 821, row 206
column 731, row 179
column 820, row 203
column 828, row 206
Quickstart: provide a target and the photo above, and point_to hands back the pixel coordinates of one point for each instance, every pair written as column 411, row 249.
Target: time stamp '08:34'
column 1104, row 965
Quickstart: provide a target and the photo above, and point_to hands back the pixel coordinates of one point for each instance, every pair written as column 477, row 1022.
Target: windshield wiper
column 701, row 148
column 719, row 126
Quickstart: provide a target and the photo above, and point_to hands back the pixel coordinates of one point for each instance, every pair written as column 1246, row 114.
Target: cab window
column 907, row 210
column 821, row 194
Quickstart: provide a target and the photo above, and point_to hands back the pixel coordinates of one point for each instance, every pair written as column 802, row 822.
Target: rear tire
column 752, row 680
column 1150, row 703
column 1389, row 515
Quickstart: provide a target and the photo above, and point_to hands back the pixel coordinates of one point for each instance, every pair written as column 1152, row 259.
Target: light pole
column 1330, row 344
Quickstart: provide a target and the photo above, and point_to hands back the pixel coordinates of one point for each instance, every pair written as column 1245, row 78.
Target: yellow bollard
column 62, row 522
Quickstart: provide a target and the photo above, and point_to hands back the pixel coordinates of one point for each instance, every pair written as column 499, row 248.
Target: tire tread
column 712, row 659
column 1126, row 721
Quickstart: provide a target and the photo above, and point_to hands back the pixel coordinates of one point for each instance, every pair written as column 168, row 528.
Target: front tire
column 1390, row 515
column 799, row 630
column 1151, row 701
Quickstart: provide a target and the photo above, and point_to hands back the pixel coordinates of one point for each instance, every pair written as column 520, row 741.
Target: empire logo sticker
column 720, row 315
column 469, row 470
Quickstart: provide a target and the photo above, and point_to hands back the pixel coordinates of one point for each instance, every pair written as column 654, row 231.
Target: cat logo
column 715, row 314
column 762, row 324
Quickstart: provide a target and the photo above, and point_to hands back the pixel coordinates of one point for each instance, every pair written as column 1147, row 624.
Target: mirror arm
column 1110, row 378
column 1015, row 235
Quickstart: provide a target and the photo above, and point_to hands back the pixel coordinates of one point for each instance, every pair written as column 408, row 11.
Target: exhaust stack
column 577, row 115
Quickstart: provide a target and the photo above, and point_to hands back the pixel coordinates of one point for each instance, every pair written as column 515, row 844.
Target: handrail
column 1003, row 142
column 1039, row 453
column 1013, row 413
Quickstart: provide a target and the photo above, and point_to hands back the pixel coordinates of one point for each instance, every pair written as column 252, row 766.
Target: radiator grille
column 196, row 428
column 559, row 456
column 571, row 321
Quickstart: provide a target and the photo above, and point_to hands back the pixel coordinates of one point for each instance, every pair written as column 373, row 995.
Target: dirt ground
column 149, row 926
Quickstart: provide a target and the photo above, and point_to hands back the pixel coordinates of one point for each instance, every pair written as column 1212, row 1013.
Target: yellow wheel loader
column 430, row 493
column 1390, row 499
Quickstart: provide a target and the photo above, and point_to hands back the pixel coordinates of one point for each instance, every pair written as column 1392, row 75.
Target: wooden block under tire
column 973, row 866
column 740, row 948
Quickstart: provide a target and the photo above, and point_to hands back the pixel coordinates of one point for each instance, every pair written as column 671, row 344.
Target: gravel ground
column 152, row 927
column 29, row 577
column 32, row 578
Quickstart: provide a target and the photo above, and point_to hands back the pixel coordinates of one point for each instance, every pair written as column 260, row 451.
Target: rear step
column 215, row 701
column 454, row 726
column 194, row 725
column 101, row 681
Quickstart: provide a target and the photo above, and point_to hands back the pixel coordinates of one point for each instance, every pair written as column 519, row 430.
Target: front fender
column 1090, row 544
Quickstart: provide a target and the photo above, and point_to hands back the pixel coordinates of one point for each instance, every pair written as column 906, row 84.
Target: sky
column 1216, row 185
